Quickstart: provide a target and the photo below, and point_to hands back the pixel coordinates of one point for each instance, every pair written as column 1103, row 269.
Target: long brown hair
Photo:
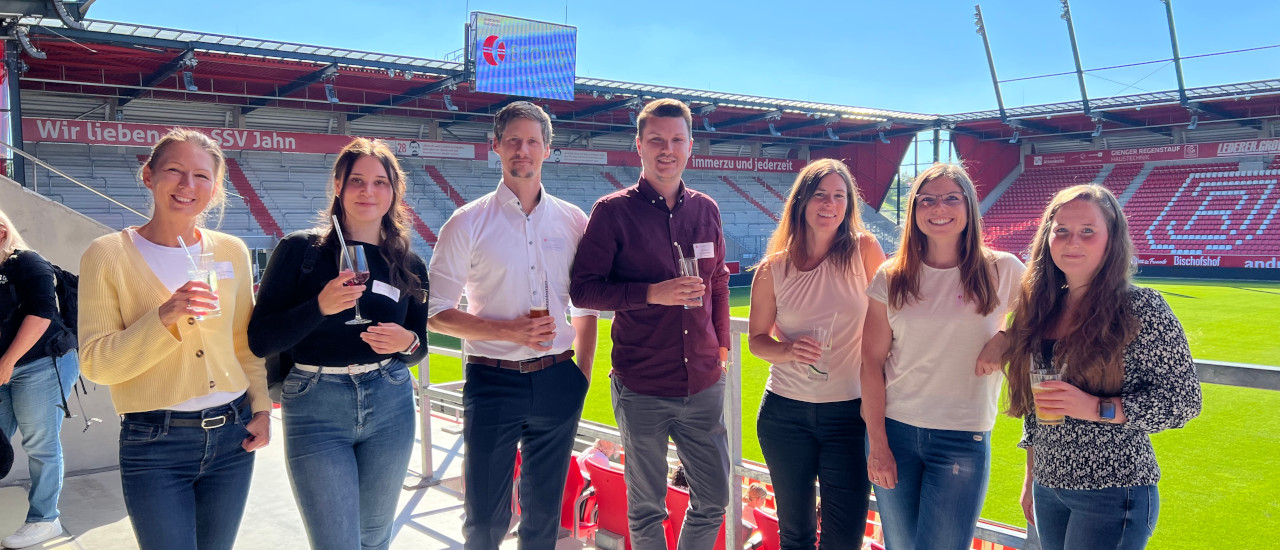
column 1091, row 350
column 902, row 271
column 792, row 230
column 395, row 248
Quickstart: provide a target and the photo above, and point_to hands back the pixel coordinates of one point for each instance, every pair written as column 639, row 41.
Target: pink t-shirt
column 810, row 299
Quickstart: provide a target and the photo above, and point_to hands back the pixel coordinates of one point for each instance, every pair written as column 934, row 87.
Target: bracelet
column 414, row 346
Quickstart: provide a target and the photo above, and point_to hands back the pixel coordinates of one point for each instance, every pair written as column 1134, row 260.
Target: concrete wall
column 61, row 235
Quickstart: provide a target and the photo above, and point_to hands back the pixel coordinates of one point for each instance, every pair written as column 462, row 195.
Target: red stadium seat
column 767, row 524
column 575, row 505
column 611, row 501
column 677, row 505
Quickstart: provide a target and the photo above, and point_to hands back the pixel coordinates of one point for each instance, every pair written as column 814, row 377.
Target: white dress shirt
column 491, row 251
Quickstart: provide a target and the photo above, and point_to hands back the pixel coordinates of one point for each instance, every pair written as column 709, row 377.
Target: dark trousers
column 803, row 442
column 185, row 487
column 538, row 410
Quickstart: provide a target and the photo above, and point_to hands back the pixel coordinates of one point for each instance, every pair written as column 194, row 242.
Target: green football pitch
column 1220, row 485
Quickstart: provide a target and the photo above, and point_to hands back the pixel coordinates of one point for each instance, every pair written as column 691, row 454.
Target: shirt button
column 199, row 353
column 530, row 242
column 686, row 332
column 191, row 320
column 531, row 268
column 686, row 359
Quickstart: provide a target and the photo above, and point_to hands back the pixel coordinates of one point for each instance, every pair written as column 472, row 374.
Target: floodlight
column 1097, row 130
column 882, row 138
column 329, row 93
column 448, row 103
column 608, row 96
column 547, row 108
column 408, row 75
column 189, row 81
column 831, row 133
column 1195, row 121
column 773, row 130
column 632, row 116
column 1016, row 134
column 706, row 123
column 391, row 73
column 119, row 115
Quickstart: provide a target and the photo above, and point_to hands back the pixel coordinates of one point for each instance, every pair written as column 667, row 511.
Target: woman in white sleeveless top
column 813, row 280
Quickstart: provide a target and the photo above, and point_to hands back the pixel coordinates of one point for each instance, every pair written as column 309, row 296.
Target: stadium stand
column 1011, row 221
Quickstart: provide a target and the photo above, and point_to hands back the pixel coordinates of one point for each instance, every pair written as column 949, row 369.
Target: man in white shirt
column 510, row 252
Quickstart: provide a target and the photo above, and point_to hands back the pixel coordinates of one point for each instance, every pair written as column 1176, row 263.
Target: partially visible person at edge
column 38, row 366
column 814, row 276
column 192, row 396
column 669, row 334
column 347, row 405
column 509, row 251
column 1126, row 373
column 931, row 362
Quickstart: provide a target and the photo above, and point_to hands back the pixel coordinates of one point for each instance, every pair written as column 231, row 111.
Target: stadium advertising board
column 95, row 132
column 522, row 57
column 1209, row 260
column 1183, row 151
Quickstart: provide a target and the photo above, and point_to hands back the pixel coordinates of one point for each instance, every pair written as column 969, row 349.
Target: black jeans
column 803, row 442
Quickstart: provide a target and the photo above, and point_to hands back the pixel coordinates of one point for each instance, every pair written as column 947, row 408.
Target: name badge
column 387, row 290
column 704, row 250
column 224, row 269
column 556, row 244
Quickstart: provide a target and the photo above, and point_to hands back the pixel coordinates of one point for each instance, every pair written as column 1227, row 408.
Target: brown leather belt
column 528, row 365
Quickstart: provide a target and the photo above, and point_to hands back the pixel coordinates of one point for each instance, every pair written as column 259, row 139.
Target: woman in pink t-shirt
column 810, row 290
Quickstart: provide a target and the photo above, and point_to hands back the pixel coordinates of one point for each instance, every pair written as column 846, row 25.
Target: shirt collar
column 648, row 192
column 505, row 196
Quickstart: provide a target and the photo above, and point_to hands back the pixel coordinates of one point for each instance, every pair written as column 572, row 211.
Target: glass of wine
column 354, row 259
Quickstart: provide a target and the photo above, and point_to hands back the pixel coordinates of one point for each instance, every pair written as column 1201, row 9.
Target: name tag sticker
column 556, row 244
column 704, row 250
column 224, row 269
column 387, row 290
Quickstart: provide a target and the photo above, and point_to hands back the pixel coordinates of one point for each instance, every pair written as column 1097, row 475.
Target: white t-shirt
column 170, row 266
column 929, row 374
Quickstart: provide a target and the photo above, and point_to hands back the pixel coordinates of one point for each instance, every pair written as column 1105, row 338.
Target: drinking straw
column 194, row 267
column 337, row 228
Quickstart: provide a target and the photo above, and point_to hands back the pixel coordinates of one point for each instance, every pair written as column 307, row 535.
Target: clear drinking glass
column 823, row 336
column 540, row 306
column 353, row 258
column 206, row 271
column 1041, row 373
column 689, row 268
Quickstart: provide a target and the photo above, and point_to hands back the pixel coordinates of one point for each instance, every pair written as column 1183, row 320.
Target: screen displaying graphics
column 521, row 57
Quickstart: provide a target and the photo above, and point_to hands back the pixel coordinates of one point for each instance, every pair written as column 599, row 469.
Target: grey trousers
column 696, row 424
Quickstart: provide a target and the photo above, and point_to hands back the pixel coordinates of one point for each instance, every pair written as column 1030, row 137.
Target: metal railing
column 447, row 399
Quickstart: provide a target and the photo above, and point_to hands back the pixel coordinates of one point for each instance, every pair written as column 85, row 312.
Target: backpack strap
column 313, row 251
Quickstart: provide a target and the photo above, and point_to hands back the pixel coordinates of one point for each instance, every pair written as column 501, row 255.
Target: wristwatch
column 413, row 347
column 1107, row 409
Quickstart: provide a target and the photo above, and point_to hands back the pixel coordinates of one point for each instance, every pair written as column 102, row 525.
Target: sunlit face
column 367, row 194
column 942, row 211
column 1078, row 240
column 828, row 206
column 182, row 181
column 664, row 149
column 522, row 149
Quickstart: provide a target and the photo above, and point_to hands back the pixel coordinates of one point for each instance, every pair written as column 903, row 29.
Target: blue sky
column 911, row 55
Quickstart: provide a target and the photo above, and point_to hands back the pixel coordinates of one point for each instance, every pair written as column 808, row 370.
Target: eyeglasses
column 949, row 200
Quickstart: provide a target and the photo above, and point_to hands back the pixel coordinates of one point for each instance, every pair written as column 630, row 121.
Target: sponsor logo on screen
column 494, row 50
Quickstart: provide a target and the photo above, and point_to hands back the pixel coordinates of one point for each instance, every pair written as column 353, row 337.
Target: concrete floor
column 94, row 517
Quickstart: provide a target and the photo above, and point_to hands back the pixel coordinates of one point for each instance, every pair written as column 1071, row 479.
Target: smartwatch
column 1107, row 410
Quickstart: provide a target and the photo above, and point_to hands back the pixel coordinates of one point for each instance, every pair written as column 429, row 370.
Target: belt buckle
column 528, row 364
column 215, row 422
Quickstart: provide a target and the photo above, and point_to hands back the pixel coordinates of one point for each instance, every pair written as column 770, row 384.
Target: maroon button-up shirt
column 630, row 243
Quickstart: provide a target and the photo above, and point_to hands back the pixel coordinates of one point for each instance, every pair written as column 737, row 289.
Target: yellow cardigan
column 149, row 366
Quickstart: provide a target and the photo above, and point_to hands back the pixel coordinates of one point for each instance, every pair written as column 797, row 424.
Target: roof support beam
column 162, row 74
column 603, row 108
column 288, row 89
column 770, row 115
column 409, row 95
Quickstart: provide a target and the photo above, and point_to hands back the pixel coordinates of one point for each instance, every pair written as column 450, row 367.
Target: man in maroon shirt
column 669, row 333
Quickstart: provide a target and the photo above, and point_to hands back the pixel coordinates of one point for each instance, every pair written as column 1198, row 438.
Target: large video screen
column 521, row 57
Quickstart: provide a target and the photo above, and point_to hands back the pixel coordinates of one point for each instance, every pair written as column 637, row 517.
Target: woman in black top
column 348, row 404
column 38, row 365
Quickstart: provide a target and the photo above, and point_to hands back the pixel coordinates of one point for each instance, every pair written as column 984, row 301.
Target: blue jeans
column 696, row 425
column 540, row 411
column 803, row 442
column 30, row 402
column 942, row 480
column 348, row 440
column 185, row 487
column 1118, row 517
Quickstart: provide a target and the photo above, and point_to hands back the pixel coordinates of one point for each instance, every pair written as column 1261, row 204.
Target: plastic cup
column 206, row 271
column 1038, row 378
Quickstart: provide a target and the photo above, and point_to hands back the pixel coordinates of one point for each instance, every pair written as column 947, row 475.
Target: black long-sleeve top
column 27, row 287
column 287, row 315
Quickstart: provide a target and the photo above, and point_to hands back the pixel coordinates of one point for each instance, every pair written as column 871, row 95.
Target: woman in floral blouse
column 1126, row 373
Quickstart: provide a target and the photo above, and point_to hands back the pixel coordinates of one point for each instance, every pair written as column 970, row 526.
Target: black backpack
column 67, row 290
column 280, row 364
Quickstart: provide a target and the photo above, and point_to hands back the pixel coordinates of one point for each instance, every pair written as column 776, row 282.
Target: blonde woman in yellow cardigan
column 192, row 397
